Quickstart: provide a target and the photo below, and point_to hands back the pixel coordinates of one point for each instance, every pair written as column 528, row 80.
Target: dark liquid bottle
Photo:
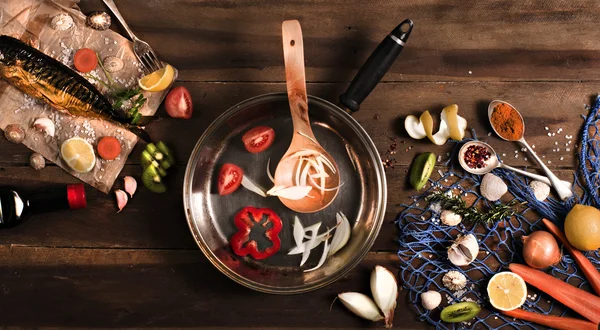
column 15, row 207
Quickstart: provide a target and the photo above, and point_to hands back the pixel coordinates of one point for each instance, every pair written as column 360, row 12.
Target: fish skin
column 44, row 78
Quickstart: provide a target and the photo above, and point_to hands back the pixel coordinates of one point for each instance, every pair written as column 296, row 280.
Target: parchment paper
column 29, row 20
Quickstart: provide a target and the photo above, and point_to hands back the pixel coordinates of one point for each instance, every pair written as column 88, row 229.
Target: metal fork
column 142, row 50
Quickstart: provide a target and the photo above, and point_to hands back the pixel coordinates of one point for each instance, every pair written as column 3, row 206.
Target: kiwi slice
column 162, row 147
column 146, row 159
column 153, row 180
column 421, row 169
column 161, row 171
column 460, row 312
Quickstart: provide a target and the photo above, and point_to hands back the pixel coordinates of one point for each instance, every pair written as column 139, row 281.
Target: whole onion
column 540, row 250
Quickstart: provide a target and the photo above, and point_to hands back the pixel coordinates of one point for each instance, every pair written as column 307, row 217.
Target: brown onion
column 540, row 249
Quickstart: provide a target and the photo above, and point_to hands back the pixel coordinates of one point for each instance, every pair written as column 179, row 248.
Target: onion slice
column 269, row 171
column 304, row 246
column 342, row 233
column 292, row 193
column 323, row 257
column 311, row 241
column 253, row 187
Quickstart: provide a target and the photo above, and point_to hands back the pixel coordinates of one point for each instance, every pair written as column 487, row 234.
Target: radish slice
column 342, row 233
column 293, row 193
column 253, row 187
column 323, row 258
column 269, row 171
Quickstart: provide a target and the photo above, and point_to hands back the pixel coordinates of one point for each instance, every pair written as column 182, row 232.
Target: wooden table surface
column 141, row 267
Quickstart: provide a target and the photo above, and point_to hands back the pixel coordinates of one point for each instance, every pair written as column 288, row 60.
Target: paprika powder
column 507, row 122
column 244, row 221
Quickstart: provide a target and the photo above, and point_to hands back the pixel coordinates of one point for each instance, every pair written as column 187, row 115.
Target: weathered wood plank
column 552, row 105
column 466, row 40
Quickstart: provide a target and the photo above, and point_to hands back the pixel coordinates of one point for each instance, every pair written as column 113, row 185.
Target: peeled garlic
column 130, row 185
column 360, row 305
column 385, row 292
column 121, row 199
column 431, row 299
column 454, row 280
column 492, row 187
column 450, row 218
column 451, row 126
column 464, row 250
column 45, row 125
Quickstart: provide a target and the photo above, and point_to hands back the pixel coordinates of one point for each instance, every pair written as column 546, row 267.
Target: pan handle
column 376, row 66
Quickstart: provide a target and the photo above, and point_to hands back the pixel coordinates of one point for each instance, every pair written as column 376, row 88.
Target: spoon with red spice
column 508, row 124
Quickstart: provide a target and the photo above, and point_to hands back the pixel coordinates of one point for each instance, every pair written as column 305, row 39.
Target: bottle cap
column 76, row 196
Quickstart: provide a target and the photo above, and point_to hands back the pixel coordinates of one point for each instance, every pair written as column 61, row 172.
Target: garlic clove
column 360, row 305
column 431, row 299
column 385, row 292
column 464, row 250
column 45, row 125
column 121, row 199
column 130, row 185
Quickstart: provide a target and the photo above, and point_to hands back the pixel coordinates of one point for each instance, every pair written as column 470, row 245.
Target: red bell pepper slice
column 244, row 221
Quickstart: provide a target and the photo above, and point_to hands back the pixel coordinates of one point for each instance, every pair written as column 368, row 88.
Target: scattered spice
column 507, row 122
column 476, row 156
column 456, row 204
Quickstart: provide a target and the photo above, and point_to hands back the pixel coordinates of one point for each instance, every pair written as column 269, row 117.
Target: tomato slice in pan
column 258, row 139
column 230, row 179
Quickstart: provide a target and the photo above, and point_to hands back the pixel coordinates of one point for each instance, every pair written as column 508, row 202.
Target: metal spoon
column 564, row 192
column 494, row 162
column 303, row 138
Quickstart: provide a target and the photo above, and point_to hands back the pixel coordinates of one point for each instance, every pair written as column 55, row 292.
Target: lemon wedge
column 507, row 291
column 78, row 154
column 158, row 80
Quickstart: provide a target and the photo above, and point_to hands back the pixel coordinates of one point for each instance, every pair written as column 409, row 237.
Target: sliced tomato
column 258, row 139
column 230, row 179
column 179, row 103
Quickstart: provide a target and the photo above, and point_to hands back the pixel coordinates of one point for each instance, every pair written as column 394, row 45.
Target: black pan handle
column 376, row 66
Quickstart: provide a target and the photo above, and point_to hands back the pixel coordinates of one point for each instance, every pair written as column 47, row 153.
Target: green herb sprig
column 457, row 205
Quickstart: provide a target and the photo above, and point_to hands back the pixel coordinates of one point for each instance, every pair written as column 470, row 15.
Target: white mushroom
column 450, row 218
column 492, row 187
column 61, row 22
column 454, row 280
column 112, row 64
column 431, row 299
column 464, row 250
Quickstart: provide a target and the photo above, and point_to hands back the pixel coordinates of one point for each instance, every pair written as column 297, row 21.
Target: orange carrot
column 588, row 269
column 583, row 302
column 556, row 322
column 109, row 148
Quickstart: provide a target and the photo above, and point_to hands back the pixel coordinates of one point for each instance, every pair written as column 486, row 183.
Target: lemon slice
column 158, row 80
column 507, row 291
column 78, row 154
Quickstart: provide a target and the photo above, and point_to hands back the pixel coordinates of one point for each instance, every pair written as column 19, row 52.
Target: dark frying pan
column 362, row 198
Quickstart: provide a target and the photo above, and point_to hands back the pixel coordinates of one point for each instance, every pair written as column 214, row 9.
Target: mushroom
column 112, row 64
column 454, row 280
column 61, row 22
column 98, row 20
column 37, row 161
column 14, row 133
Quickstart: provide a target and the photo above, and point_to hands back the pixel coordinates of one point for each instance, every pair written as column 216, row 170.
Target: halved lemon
column 158, row 80
column 78, row 154
column 507, row 291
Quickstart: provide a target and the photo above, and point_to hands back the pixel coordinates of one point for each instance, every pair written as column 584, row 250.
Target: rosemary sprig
column 457, row 205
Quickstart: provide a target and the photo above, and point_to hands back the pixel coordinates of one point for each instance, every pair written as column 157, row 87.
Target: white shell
column 450, row 218
column 540, row 190
column 492, row 187
column 464, row 250
column 454, row 280
column 61, row 22
column 431, row 299
column 112, row 64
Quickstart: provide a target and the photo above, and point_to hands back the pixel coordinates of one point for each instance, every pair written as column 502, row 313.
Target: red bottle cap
column 76, row 196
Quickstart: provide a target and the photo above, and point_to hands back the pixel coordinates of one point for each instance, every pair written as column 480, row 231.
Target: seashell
column 61, row 22
column 37, row 161
column 431, row 299
column 450, row 218
column 464, row 250
column 540, row 190
column 112, row 64
column 98, row 20
column 454, row 280
column 45, row 125
column 492, row 187
column 14, row 133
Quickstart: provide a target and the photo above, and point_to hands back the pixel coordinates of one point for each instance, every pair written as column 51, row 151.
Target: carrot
column 85, row 60
column 556, row 322
column 109, row 148
column 588, row 269
column 583, row 302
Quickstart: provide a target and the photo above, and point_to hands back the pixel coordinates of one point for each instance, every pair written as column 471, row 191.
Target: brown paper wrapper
column 29, row 20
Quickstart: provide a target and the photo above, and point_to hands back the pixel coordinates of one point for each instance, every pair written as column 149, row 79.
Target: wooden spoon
column 303, row 139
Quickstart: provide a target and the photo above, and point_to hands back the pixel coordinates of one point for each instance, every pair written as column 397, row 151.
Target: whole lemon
column 582, row 227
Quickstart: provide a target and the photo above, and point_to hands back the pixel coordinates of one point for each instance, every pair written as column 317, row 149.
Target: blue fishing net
column 424, row 240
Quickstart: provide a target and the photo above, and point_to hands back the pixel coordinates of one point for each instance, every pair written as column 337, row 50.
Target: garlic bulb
column 540, row 190
column 464, row 250
column 360, row 305
column 450, row 218
column 492, row 187
column 454, row 280
column 385, row 292
column 431, row 299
